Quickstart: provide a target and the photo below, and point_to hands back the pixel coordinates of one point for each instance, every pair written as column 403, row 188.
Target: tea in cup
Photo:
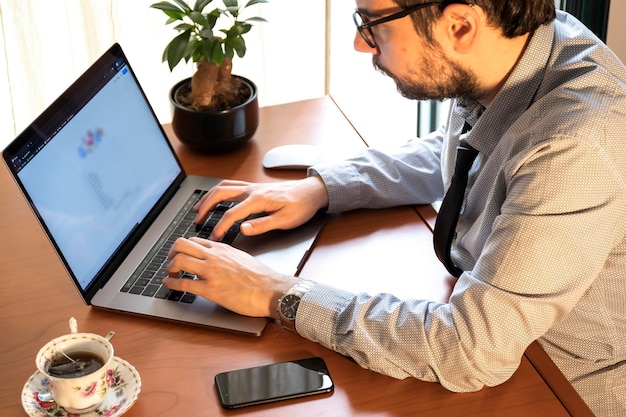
column 77, row 365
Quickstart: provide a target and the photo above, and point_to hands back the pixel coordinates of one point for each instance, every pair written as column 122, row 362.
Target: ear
column 461, row 26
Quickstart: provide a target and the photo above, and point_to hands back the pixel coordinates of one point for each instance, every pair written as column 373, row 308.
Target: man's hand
column 227, row 276
column 288, row 204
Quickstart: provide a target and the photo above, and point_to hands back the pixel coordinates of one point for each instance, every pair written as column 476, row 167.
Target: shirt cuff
column 342, row 185
column 317, row 314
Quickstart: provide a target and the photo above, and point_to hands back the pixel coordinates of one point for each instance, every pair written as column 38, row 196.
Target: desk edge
column 554, row 378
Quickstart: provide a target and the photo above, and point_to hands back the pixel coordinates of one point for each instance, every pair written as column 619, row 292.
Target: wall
column 616, row 36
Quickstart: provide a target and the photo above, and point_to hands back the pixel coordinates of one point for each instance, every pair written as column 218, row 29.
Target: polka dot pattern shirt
column 541, row 237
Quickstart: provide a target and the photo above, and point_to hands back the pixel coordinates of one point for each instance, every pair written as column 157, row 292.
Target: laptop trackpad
column 283, row 251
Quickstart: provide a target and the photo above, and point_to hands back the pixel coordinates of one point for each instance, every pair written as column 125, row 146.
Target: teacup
column 77, row 365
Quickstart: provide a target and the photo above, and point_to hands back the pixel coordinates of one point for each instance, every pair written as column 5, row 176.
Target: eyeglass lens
column 366, row 33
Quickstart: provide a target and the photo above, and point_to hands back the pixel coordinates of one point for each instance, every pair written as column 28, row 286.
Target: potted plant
column 212, row 111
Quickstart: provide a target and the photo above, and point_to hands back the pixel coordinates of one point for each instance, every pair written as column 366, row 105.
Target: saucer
column 120, row 396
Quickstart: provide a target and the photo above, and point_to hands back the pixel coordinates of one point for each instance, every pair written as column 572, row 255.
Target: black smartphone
column 275, row 382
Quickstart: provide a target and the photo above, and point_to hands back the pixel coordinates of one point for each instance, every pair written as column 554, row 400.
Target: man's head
column 448, row 49
column 513, row 17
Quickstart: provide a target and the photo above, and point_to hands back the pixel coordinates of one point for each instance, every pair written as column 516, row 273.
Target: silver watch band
column 289, row 302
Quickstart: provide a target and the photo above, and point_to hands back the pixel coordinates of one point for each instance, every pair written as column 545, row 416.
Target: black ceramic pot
column 215, row 132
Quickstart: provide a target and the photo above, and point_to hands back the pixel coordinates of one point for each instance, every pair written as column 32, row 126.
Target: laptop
column 104, row 182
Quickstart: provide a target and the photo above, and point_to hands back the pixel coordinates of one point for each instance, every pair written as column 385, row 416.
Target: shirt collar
column 513, row 99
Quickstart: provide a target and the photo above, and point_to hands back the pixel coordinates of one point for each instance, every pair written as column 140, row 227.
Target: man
column 540, row 245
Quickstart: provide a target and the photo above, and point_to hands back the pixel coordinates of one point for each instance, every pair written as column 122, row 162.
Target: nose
column 361, row 46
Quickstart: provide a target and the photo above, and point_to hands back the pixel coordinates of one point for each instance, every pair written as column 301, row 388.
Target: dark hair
column 513, row 17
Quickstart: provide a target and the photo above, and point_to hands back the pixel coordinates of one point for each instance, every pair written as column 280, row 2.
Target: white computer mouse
column 296, row 156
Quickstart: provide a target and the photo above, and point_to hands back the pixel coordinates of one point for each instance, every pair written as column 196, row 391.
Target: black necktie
column 445, row 225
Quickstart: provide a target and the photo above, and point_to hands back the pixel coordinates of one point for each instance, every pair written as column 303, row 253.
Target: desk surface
column 177, row 363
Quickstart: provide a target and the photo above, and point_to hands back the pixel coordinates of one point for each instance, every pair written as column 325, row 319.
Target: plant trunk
column 203, row 83
column 226, row 70
column 207, row 80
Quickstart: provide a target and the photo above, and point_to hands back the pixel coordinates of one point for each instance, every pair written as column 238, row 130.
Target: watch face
column 289, row 306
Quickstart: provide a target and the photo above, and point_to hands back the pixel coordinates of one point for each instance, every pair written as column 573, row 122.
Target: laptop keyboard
column 146, row 279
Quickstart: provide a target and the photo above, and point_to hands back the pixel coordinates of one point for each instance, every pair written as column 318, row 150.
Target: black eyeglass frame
column 361, row 28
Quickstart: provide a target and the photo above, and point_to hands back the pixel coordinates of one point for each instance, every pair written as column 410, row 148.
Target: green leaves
column 253, row 2
column 197, row 38
column 175, row 50
column 201, row 4
column 170, row 10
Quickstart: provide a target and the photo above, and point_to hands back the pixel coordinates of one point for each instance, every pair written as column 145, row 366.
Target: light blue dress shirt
column 542, row 236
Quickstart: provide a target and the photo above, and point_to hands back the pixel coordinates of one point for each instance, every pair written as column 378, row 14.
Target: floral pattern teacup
column 84, row 393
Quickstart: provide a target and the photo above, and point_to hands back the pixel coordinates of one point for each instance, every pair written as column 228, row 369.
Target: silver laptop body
column 103, row 180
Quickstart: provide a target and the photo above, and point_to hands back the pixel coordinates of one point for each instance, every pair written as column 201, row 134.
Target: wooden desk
column 177, row 363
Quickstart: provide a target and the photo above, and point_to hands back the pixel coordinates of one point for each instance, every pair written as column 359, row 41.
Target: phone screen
column 275, row 382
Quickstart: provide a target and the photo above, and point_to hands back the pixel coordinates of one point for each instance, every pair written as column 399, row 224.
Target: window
column 593, row 13
column 368, row 98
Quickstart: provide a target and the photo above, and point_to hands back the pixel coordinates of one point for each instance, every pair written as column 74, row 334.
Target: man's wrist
column 278, row 292
column 317, row 189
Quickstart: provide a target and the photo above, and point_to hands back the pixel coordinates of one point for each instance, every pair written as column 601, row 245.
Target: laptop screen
column 95, row 166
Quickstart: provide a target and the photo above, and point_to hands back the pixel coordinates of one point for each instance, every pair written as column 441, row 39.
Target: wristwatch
column 289, row 302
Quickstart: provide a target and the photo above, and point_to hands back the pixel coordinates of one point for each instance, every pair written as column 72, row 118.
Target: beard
column 454, row 82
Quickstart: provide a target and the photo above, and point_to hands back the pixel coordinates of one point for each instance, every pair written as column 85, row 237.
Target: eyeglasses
column 364, row 26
